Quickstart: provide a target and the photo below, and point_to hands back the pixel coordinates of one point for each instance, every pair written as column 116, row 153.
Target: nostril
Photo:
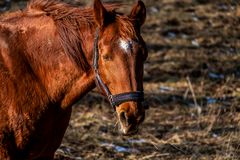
column 123, row 117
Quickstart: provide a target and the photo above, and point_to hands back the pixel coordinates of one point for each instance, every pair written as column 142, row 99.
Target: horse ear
column 99, row 13
column 139, row 12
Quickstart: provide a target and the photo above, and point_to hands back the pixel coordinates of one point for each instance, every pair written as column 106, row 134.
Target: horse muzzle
column 130, row 115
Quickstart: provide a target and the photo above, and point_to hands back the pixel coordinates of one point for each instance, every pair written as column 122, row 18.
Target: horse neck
column 63, row 80
column 86, row 80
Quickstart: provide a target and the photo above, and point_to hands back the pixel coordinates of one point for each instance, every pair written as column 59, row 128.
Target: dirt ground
column 192, row 83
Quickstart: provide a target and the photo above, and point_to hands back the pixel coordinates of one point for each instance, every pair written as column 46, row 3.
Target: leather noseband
column 117, row 99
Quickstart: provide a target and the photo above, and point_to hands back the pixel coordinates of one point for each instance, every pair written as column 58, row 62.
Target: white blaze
column 124, row 45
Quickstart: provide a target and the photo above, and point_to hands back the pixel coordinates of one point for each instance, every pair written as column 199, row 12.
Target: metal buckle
column 110, row 98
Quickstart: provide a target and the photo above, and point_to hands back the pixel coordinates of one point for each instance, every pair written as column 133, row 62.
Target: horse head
column 119, row 55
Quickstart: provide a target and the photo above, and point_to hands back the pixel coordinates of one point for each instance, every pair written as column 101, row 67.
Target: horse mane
column 71, row 21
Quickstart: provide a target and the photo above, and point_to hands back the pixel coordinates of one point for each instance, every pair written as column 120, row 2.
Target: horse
column 51, row 55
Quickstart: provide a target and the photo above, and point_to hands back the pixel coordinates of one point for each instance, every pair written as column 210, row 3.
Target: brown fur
column 45, row 67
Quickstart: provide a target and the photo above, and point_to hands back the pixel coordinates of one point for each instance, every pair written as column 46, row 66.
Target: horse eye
column 107, row 57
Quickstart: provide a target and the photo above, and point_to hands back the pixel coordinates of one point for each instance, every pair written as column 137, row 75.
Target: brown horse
column 52, row 54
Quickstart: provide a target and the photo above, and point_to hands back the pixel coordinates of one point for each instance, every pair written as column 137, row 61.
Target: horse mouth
column 128, row 130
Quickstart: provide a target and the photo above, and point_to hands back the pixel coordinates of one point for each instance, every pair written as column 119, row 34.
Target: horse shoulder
column 19, row 81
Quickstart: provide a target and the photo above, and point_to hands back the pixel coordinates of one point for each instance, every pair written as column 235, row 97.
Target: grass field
column 192, row 83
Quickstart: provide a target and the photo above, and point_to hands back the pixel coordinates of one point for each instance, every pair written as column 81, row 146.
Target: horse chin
column 128, row 130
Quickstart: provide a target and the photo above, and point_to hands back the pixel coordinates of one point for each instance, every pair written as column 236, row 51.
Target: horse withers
column 52, row 54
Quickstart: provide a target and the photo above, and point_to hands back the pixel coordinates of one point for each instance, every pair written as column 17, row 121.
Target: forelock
column 126, row 27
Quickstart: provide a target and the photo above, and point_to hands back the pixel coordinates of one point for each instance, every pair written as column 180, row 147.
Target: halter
column 117, row 99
